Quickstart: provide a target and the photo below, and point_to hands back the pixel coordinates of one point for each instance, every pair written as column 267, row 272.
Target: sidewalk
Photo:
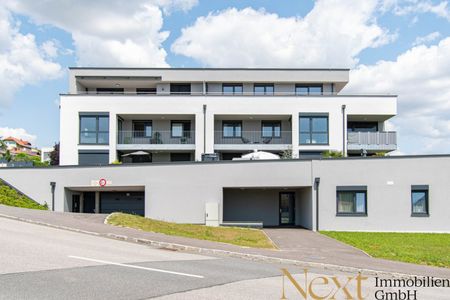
column 297, row 246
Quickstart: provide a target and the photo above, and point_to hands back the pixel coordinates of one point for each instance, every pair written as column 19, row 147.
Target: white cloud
column 250, row 37
column 22, row 60
column 414, row 7
column 108, row 33
column 421, row 78
column 427, row 38
column 17, row 133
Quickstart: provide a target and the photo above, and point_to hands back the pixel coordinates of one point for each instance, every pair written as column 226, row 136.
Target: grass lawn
column 420, row 248
column 231, row 235
column 11, row 197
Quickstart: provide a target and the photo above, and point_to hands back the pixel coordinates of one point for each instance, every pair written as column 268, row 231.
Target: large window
column 314, row 130
column 308, row 89
column 419, row 200
column 362, row 126
column 232, row 129
column 142, row 128
column 351, row 200
column 263, row 89
column 271, row 128
column 94, row 129
column 181, row 129
column 110, row 91
column 232, row 88
column 180, row 88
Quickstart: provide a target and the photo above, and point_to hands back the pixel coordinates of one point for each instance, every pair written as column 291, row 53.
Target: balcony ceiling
column 368, row 118
column 252, row 117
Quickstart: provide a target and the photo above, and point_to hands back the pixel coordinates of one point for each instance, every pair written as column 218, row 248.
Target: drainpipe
column 316, row 187
column 53, row 185
column 204, row 128
column 343, row 131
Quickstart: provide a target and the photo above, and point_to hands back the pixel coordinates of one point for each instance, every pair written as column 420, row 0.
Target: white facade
column 207, row 108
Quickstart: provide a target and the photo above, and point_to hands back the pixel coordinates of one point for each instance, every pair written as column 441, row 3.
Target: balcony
column 250, row 140
column 372, row 141
column 158, row 140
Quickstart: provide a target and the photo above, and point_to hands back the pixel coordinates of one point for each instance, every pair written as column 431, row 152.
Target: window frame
column 265, row 86
column 311, row 132
column 235, row 124
column 272, row 125
column 233, row 85
column 145, row 123
column 174, row 86
column 97, row 131
column 110, row 91
column 184, row 133
column 421, row 189
column 308, row 87
column 354, row 190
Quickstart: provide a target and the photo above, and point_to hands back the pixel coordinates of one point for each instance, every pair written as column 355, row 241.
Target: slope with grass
column 10, row 197
column 420, row 248
column 232, row 235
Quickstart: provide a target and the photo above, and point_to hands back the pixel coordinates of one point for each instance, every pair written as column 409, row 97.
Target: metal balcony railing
column 155, row 137
column 253, row 137
column 276, row 93
column 381, row 140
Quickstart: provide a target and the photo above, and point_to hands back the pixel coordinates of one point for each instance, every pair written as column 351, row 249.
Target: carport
column 271, row 206
column 106, row 200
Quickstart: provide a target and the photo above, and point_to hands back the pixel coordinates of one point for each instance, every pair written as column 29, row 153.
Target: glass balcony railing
column 253, row 137
column 156, row 137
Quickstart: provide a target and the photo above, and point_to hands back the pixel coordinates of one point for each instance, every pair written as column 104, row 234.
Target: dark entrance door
column 89, row 202
column 287, row 208
column 76, row 203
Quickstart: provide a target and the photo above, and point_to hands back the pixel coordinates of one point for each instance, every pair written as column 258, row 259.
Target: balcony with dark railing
column 157, row 138
column 372, row 141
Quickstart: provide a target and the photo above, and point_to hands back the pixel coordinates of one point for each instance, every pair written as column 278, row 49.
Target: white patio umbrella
column 259, row 155
column 137, row 153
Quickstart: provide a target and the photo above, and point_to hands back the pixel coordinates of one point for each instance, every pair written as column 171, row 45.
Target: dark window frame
column 351, row 126
column 184, row 133
column 145, row 122
column 97, row 128
column 146, row 91
column 107, row 91
column 311, row 132
column 308, row 87
column 175, row 86
column 234, row 125
column 265, row 86
column 271, row 124
column 233, row 85
column 354, row 190
column 421, row 189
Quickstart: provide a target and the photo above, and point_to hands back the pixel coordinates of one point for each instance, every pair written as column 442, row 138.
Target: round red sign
column 102, row 182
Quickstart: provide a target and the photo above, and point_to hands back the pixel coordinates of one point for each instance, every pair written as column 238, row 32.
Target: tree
column 54, row 156
column 6, row 154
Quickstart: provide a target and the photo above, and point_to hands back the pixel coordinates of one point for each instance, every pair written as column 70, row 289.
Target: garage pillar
column 81, row 202
column 97, row 202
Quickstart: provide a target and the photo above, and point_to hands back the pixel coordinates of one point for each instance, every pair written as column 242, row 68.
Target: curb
column 223, row 253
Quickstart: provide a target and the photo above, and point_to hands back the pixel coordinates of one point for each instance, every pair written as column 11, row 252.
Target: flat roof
column 208, row 69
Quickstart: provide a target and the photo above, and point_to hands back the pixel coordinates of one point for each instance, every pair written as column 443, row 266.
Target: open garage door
column 126, row 202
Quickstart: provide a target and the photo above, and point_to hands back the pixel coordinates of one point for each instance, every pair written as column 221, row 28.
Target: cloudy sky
column 391, row 46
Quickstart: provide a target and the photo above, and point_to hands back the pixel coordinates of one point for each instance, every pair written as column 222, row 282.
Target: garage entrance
column 106, row 200
column 273, row 207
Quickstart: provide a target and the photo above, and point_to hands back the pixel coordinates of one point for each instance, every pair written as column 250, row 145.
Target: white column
column 97, row 202
column 199, row 136
column 295, row 135
column 112, row 137
column 209, row 139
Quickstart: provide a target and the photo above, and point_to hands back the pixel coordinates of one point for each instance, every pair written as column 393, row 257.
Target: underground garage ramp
column 126, row 202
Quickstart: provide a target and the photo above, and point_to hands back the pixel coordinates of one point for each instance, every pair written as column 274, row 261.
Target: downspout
column 316, row 187
column 343, row 131
column 53, row 185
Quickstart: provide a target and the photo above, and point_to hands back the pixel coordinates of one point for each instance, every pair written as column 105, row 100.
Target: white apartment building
column 177, row 114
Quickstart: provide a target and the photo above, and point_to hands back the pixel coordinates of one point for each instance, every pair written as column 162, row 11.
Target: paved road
column 38, row 262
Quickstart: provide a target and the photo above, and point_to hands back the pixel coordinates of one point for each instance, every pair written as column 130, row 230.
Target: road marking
column 134, row 267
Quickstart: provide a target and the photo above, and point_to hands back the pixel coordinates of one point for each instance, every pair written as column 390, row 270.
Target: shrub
column 332, row 154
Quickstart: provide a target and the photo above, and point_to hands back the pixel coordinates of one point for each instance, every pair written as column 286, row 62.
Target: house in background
column 17, row 146
column 45, row 153
column 182, row 114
